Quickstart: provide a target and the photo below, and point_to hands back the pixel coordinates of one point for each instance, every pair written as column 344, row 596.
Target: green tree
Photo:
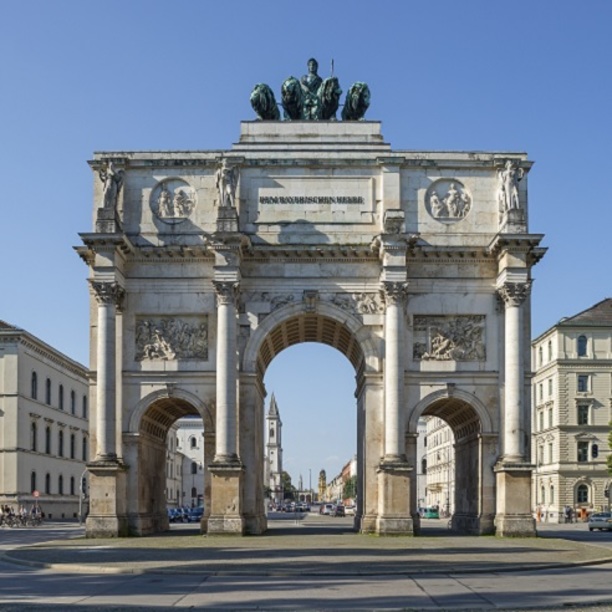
column 288, row 488
column 350, row 488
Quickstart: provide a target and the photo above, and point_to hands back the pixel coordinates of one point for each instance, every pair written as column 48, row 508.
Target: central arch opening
column 311, row 365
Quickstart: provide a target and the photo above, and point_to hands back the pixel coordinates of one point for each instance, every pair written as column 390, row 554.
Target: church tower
column 274, row 452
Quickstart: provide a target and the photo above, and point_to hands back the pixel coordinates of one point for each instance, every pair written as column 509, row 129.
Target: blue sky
column 79, row 77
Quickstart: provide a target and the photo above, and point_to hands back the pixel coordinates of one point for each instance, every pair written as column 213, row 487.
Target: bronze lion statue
column 292, row 99
column 264, row 103
column 356, row 102
column 329, row 95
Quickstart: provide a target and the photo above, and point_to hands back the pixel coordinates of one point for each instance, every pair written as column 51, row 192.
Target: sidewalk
column 308, row 550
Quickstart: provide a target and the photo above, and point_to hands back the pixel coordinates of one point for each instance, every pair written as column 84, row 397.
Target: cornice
column 311, row 254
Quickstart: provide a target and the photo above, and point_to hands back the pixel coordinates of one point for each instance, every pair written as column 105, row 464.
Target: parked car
column 600, row 520
column 339, row 510
column 195, row 515
column 350, row 510
column 327, row 509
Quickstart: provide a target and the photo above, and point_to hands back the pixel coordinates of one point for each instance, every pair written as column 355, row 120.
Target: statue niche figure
column 225, row 180
column 113, row 181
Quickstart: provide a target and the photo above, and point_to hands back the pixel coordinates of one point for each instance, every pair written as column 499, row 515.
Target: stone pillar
column 108, row 295
column 209, row 456
column 513, row 470
column 227, row 471
column 394, row 472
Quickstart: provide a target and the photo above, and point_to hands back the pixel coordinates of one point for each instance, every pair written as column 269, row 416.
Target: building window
column 60, row 443
column 582, row 494
column 582, row 346
column 72, row 489
column 550, row 452
column 33, row 482
column 583, row 414
column 84, row 448
column 34, row 436
column 541, row 419
column 72, row 402
column 72, row 446
column 84, row 406
column 34, row 384
column 552, row 494
column 61, row 397
column 60, row 485
column 48, row 483
column 540, row 356
column 550, row 387
column 424, row 465
column 550, row 417
column 541, row 391
column 271, row 432
column 583, row 383
column 543, row 494
column 48, row 392
column 194, row 492
column 194, row 468
column 48, row 440
column 550, row 356
column 540, row 455
column 583, row 452
column 193, row 443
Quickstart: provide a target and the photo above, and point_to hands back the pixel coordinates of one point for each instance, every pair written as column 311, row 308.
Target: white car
column 350, row 510
column 600, row 520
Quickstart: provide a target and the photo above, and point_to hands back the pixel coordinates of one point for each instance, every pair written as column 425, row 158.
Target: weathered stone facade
column 415, row 265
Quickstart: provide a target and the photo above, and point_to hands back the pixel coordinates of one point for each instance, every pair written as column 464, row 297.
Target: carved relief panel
column 173, row 200
column 448, row 201
column 449, row 338
column 170, row 338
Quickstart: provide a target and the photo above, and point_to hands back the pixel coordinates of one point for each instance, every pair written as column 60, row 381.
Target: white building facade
column 190, row 451
column 440, row 475
column 572, row 411
column 44, row 421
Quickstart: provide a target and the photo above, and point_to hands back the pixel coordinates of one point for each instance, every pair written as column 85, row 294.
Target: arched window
column 84, row 448
column 34, row 389
column 552, row 494
column 72, row 446
column 424, row 465
column 582, row 346
column 34, row 436
column 48, row 392
column 61, row 397
column 84, row 406
column 193, row 442
column 194, row 468
column 194, row 492
column 72, row 489
column 60, row 443
column 540, row 356
column 48, row 483
column 550, row 355
column 582, row 494
column 48, row 440
column 33, row 482
column 543, row 494
column 72, row 402
column 60, row 485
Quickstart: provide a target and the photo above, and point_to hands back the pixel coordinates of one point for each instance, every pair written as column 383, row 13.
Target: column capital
column 514, row 294
column 108, row 292
column 227, row 292
column 394, row 292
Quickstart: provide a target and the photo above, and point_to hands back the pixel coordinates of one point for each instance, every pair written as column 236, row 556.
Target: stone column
column 108, row 296
column 227, row 471
column 513, row 295
column 225, row 450
column 395, row 296
column 513, row 470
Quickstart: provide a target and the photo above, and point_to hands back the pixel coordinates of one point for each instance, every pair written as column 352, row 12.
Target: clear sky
column 79, row 77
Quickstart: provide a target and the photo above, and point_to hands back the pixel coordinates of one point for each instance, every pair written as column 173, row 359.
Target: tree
column 350, row 488
column 288, row 488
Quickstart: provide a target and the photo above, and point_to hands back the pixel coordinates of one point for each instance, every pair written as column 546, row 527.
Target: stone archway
column 145, row 450
column 326, row 324
column 475, row 451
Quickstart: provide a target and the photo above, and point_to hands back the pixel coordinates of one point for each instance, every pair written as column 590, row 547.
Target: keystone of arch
column 450, row 391
column 172, row 392
column 370, row 347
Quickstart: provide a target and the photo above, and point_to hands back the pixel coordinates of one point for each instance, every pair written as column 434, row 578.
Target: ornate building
column 440, row 462
column 44, row 422
column 205, row 265
column 572, row 411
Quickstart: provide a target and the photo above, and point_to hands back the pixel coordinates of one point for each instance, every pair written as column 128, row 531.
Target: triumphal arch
column 205, row 265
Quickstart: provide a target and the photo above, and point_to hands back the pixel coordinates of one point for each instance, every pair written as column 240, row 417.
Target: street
column 32, row 588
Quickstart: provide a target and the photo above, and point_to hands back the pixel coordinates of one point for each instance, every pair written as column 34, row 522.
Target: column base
column 394, row 516
column 226, row 498
column 514, row 516
column 255, row 525
column 108, row 494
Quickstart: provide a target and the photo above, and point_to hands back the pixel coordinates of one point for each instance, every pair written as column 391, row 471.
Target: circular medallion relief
column 448, row 201
column 173, row 200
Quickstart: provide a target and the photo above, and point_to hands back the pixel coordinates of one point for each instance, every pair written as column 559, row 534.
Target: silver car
column 600, row 520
